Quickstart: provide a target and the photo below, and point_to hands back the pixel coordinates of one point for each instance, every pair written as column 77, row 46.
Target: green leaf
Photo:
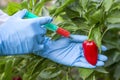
column 71, row 13
column 114, row 17
column 84, row 3
column 113, row 57
column 112, row 26
column 30, row 4
column 92, row 77
column 101, row 69
column 85, row 73
column 48, row 73
column 44, row 12
column 117, row 72
column 24, row 5
column 97, row 37
column 115, row 6
column 62, row 7
column 13, row 8
column 2, row 76
column 38, row 7
column 2, row 61
column 8, row 69
column 107, row 4
column 113, row 20
column 96, row 16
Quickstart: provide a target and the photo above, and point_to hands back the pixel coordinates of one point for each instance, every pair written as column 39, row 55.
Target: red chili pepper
column 17, row 78
column 90, row 51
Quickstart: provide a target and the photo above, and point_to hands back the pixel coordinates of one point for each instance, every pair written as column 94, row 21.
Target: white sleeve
column 3, row 17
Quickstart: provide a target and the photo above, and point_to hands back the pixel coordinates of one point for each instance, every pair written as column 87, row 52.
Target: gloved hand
column 69, row 52
column 22, row 36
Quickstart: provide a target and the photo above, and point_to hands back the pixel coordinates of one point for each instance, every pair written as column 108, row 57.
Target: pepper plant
column 98, row 19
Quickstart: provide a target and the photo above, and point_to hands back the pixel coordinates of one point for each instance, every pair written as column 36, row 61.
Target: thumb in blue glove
column 69, row 52
column 22, row 36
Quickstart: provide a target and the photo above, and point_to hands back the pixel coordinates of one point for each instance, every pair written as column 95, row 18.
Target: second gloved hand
column 69, row 52
column 22, row 36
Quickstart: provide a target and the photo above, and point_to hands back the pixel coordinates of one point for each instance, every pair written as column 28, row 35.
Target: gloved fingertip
column 83, row 64
column 100, row 63
column 50, row 19
column 102, row 57
column 78, row 38
column 21, row 13
column 104, row 48
column 24, row 10
column 106, row 58
column 43, row 20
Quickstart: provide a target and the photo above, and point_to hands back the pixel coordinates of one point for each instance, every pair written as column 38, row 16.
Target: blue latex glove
column 69, row 52
column 22, row 36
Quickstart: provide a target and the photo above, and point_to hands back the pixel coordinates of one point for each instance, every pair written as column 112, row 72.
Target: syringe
column 51, row 26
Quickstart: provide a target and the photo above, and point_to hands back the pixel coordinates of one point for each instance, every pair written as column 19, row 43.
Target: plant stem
column 90, row 33
column 104, row 33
